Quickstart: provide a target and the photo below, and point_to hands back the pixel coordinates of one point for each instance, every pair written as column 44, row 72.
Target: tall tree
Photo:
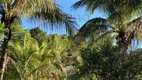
column 123, row 20
column 12, row 10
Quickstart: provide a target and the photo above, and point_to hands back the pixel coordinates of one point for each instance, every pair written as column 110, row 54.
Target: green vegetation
column 102, row 49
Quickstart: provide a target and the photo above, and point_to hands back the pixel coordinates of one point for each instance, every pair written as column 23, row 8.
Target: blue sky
column 80, row 14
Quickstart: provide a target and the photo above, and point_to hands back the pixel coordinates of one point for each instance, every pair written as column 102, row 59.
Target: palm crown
column 36, row 9
column 123, row 20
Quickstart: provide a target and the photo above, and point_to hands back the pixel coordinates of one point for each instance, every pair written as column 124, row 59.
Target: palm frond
column 57, row 19
column 93, row 26
column 105, row 34
column 90, row 5
column 127, row 7
column 135, row 21
column 42, row 11
column 50, row 15
column 104, row 37
column 135, row 28
column 79, row 4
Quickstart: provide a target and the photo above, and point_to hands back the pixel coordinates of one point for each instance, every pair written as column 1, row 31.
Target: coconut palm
column 48, row 59
column 124, row 20
column 33, row 62
column 12, row 10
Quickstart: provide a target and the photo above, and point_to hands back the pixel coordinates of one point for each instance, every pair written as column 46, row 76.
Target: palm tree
column 47, row 59
column 33, row 62
column 124, row 20
column 12, row 10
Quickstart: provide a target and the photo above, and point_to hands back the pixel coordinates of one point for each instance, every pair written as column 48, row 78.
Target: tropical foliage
column 123, row 21
column 102, row 49
column 45, row 11
column 31, row 60
column 106, row 63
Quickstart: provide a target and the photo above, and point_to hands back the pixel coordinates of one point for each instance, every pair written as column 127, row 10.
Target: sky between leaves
column 81, row 16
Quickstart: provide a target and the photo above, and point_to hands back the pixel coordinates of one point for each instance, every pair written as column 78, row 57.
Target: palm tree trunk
column 3, row 58
column 3, row 61
column 125, row 47
column 123, row 43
